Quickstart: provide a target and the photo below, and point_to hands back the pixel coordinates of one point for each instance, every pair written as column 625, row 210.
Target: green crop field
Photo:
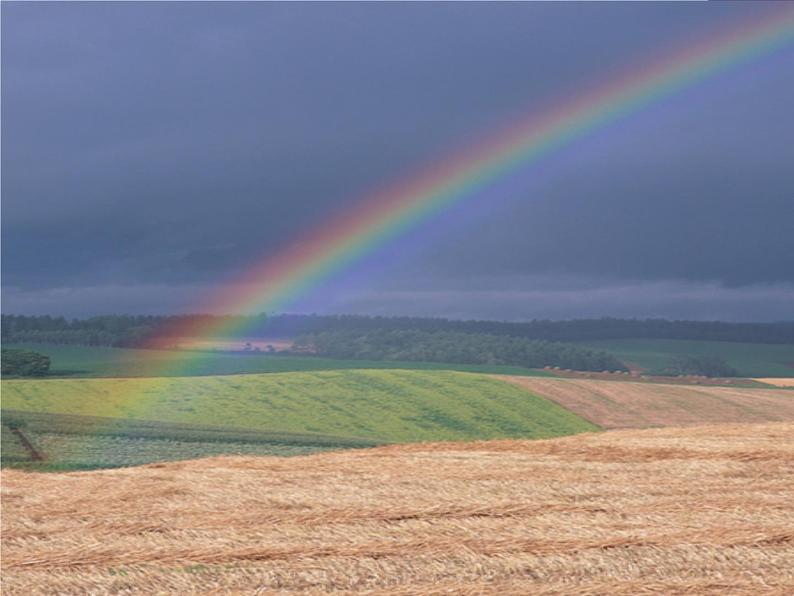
column 12, row 448
column 70, row 442
column 751, row 360
column 382, row 405
column 86, row 361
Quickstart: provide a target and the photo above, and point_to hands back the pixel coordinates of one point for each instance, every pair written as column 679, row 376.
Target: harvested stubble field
column 697, row 510
column 625, row 404
column 781, row 382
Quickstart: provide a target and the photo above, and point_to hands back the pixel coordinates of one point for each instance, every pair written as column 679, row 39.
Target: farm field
column 86, row 361
column 750, row 359
column 13, row 450
column 778, row 381
column 703, row 510
column 382, row 405
column 625, row 404
column 68, row 442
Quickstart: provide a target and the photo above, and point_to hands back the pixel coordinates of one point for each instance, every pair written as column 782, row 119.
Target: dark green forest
column 131, row 331
column 454, row 347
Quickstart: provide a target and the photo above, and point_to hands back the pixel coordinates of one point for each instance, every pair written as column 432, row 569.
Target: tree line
column 111, row 330
column 707, row 366
column 132, row 330
column 454, row 347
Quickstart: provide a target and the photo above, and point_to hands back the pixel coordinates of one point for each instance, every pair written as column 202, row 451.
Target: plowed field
column 623, row 404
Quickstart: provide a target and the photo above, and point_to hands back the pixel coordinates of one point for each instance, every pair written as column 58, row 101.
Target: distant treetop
column 132, row 330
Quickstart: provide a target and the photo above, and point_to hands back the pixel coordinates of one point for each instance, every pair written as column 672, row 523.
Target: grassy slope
column 71, row 442
column 85, row 361
column 36, row 422
column 385, row 405
column 12, row 448
column 751, row 360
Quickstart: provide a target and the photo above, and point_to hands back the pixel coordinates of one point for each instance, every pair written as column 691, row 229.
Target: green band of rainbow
column 385, row 215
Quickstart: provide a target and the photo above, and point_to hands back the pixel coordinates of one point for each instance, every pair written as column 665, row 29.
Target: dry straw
column 698, row 510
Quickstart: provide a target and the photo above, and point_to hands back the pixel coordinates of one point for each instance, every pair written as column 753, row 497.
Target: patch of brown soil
column 697, row 510
column 618, row 404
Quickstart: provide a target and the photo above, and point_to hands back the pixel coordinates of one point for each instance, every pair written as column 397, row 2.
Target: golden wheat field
column 626, row 404
column 698, row 510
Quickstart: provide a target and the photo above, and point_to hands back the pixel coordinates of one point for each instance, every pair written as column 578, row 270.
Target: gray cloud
column 547, row 297
column 169, row 145
column 517, row 298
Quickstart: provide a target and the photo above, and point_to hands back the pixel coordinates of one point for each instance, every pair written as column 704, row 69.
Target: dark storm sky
column 152, row 150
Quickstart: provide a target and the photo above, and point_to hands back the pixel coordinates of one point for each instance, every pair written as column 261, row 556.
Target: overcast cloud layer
column 152, row 150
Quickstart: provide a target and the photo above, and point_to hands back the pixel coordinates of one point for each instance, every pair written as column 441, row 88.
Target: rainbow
column 383, row 216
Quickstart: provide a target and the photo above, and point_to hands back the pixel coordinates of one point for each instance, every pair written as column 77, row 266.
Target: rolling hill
column 383, row 405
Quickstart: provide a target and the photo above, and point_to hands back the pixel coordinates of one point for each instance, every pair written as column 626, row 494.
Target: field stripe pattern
column 625, row 404
column 703, row 509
